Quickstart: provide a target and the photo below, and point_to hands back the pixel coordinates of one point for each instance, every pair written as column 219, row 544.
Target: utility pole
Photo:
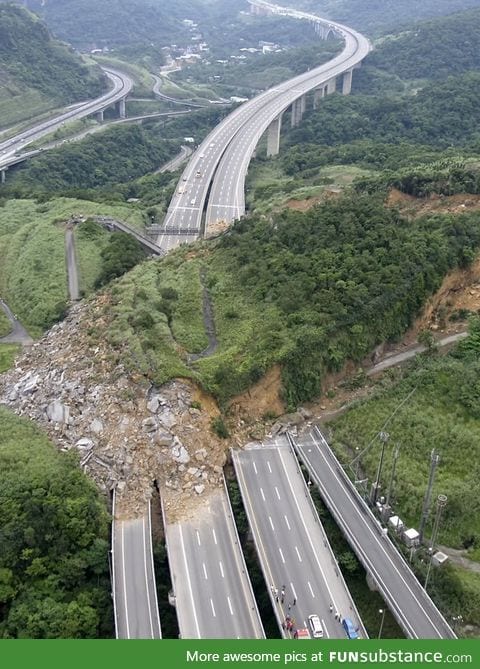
column 441, row 503
column 383, row 438
column 434, row 460
column 392, row 475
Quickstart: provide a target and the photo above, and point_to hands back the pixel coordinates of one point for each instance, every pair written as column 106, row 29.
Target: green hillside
column 377, row 15
column 36, row 71
column 432, row 50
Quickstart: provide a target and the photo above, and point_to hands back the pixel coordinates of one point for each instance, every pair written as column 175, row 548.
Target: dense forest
column 308, row 290
column 116, row 156
column 432, row 50
column 441, row 114
column 31, row 58
column 382, row 15
column 54, row 578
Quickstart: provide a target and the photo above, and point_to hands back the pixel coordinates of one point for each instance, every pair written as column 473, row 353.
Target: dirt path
column 398, row 358
column 209, row 322
column 72, row 271
column 18, row 335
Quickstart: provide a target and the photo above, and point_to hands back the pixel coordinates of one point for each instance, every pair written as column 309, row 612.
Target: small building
column 439, row 558
column 411, row 537
column 396, row 524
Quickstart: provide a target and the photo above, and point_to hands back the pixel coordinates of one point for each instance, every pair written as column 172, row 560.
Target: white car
column 315, row 625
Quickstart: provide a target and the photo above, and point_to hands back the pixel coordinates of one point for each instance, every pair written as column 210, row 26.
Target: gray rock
column 149, row 424
column 31, row 384
column 201, row 455
column 167, row 419
column 121, row 485
column 96, row 426
column 163, row 438
column 192, row 471
column 58, row 412
column 84, row 444
column 153, row 404
column 199, row 488
column 180, row 454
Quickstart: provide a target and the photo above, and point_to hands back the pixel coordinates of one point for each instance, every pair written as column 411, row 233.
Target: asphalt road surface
column 293, row 549
column 121, row 86
column 408, row 601
column 214, row 598
column 223, row 157
column 136, row 608
column 18, row 334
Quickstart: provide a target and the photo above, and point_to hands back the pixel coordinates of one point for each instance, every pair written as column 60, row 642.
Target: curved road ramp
column 212, row 591
column 296, row 558
column 407, row 599
column 134, row 590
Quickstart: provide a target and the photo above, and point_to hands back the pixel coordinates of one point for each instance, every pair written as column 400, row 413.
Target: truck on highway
column 302, row 633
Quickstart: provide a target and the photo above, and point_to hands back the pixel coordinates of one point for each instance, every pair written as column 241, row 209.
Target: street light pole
column 382, row 612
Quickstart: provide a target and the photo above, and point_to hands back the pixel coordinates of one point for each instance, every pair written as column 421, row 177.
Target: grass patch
column 7, row 356
column 33, row 273
column 5, row 325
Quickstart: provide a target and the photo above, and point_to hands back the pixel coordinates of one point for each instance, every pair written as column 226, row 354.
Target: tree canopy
column 54, row 579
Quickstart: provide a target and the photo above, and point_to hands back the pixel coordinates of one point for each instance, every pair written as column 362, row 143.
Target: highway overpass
column 211, row 587
column 215, row 175
column 410, row 604
column 292, row 547
column 133, row 579
column 121, row 86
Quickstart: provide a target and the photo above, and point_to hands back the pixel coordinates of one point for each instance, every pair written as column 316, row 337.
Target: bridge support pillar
column 331, row 86
column 3, row 174
column 273, row 137
column 100, row 116
column 303, row 105
column 121, row 108
column 347, row 82
column 318, row 94
column 296, row 113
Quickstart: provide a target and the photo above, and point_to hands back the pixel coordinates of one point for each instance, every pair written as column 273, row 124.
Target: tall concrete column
column 273, row 137
column 331, row 86
column 100, row 116
column 121, row 108
column 318, row 94
column 296, row 113
column 3, row 175
column 303, row 104
column 347, row 82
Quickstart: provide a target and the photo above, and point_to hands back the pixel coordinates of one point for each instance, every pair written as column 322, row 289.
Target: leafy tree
column 121, row 254
column 54, row 579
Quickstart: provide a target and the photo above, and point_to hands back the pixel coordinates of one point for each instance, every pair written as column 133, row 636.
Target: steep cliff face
column 128, row 434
